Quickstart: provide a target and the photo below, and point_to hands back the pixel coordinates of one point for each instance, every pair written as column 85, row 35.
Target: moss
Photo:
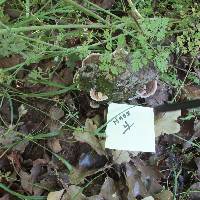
column 84, row 84
column 101, row 84
column 105, row 86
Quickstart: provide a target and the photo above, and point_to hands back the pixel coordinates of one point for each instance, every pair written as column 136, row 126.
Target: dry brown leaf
column 87, row 137
column 146, row 170
column 54, row 145
column 107, row 4
column 109, row 190
column 5, row 197
column 90, row 139
column 57, row 195
column 196, row 128
column 26, row 181
column 134, row 183
column 149, row 174
column 10, row 61
column 196, row 188
column 166, row 123
column 197, row 161
column 120, row 157
column 90, row 126
column 77, row 176
column 191, row 92
column 56, row 113
column 10, row 137
column 37, row 168
column 73, row 192
column 164, row 195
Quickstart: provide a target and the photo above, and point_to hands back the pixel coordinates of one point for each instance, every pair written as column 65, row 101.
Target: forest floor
column 52, row 133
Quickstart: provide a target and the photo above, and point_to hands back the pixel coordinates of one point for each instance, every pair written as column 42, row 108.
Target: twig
column 183, row 83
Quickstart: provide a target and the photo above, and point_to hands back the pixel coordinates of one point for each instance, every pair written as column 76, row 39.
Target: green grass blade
column 51, row 27
column 20, row 196
column 51, row 93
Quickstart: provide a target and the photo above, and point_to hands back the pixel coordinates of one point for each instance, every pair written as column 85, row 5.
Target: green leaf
column 121, row 41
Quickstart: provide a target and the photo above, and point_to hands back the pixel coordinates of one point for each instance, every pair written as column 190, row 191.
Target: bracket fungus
column 148, row 89
column 104, row 85
column 97, row 96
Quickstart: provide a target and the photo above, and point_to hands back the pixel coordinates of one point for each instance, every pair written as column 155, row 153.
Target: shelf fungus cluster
column 102, row 85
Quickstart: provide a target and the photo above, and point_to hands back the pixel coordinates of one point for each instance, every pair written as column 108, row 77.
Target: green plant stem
column 134, row 10
column 135, row 15
column 50, row 27
column 176, row 182
column 183, row 83
column 20, row 196
column 85, row 10
column 103, row 10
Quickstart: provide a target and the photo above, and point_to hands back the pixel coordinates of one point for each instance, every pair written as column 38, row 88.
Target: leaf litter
column 138, row 175
column 28, row 164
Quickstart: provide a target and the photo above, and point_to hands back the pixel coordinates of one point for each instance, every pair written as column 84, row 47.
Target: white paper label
column 130, row 128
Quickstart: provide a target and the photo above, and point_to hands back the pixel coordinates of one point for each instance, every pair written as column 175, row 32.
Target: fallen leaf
column 10, row 61
column 109, row 190
column 54, row 145
column 49, row 181
column 166, row 123
column 87, row 137
column 36, row 170
column 196, row 128
column 191, row 92
column 77, row 176
column 5, row 197
column 164, row 195
column 9, row 137
column 5, row 164
column 26, row 181
column 107, row 4
column 148, row 198
column 197, row 161
column 56, row 113
column 146, row 170
column 120, row 157
column 91, row 160
column 134, row 183
column 15, row 158
column 90, row 139
column 95, row 197
column 149, row 175
column 57, row 195
column 73, row 192
column 196, row 188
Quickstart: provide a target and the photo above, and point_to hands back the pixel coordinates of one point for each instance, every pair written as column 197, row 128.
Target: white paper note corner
column 130, row 128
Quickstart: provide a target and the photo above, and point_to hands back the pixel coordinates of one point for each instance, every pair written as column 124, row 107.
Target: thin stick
column 183, row 83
